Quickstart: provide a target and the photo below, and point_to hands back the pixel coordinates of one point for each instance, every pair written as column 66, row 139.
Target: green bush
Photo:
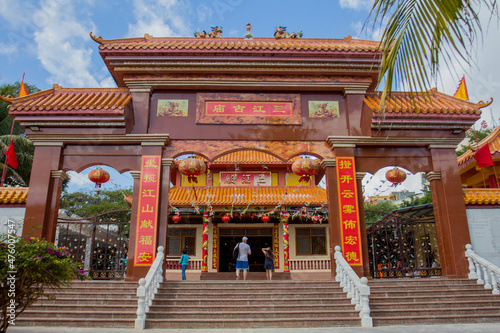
column 28, row 267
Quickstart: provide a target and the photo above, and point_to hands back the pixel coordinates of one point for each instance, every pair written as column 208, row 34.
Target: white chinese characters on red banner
column 349, row 215
column 239, row 178
column 145, row 243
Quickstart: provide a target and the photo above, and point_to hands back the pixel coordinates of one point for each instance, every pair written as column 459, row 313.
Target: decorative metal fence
column 100, row 243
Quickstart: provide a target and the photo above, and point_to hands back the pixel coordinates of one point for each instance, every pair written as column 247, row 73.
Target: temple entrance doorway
column 257, row 239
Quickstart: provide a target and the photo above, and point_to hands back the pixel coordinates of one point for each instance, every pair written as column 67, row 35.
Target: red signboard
column 238, row 178
column 238, row 108
column 145, row 242
column 215, row 247
column 349, row 214
column 276, row 245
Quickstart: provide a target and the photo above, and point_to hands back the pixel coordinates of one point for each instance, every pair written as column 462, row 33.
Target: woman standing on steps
column 184, row 261
column 269, row 262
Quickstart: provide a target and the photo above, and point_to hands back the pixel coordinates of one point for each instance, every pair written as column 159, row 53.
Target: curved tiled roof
column 248, row 156
column 270, row 196
column 487, row 196
column 80, row 101
column 493, row 139
column 240, row 44
column 434, row 103
column 13, row 195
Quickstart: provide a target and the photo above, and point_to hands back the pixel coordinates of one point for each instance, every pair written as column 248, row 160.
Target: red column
column 204, row 264
column 286, row 248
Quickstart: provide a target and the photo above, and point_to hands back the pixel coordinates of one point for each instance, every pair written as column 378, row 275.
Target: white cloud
column 204, row 13
column 356, row 4
column 164, row 18
column 7, row 48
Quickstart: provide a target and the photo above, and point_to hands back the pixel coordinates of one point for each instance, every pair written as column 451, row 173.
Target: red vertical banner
column 286, row 249
column 349, row 213
column 147, row 215
column 276, row 245
column 215, row 247
column 204, row 264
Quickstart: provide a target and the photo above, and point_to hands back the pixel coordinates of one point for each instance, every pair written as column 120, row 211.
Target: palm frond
column 419, row 35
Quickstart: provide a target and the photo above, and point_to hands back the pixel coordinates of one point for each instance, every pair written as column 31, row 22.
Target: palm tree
column 22, row 145
column 421, row 34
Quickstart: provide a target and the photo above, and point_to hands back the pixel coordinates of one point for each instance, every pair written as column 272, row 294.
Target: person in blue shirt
column 183, row 261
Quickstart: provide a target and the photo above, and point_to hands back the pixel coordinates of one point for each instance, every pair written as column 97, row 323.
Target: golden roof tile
column 487, row 196
column 248, row 156
column 493, row 139
column 186, row 43
column 80, row 101
column 13, row 195
column 431, row 102
column 268, row 196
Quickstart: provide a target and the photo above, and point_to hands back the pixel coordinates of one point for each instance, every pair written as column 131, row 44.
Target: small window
column 179, row 239
column 310, row 241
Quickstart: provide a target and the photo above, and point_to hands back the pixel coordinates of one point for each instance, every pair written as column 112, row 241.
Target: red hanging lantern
column 192, row 167
column 176, row 218
column 226, row 218
column 305, row 167
column 395, row 176
column 99, row 177
column 265, row 218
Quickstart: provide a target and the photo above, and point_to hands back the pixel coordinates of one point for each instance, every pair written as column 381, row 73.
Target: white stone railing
column 357, row 289
column 309, row 264
column 483, row 271
column 147, row 289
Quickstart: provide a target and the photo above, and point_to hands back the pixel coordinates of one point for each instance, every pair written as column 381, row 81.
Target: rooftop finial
column 98, row 40
column 248, row 34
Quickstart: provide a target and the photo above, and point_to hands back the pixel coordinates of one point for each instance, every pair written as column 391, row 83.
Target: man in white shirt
column 242, row 260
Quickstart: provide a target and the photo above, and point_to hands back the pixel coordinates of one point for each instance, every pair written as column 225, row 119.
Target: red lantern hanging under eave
column 176, row 218
column 192, row 167
column 395, row 176
column 99, row 177
column 265, row 218
column 226, row 218
column 305, row 167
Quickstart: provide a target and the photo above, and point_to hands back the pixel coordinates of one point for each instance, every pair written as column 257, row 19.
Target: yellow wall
column 293, row 180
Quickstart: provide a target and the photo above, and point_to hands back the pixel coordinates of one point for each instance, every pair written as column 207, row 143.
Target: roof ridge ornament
column 280, row 32
column 215, row 33
column 148, row 37
column 7, row 99
column 482, row 104
column 98, row 40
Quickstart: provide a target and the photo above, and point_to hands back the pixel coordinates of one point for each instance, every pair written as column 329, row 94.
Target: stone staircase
column 431, row 301
column 250, row 304
column 85, row 304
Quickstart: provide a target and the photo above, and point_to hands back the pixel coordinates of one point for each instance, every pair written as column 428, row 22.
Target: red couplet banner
column 349, row 214
column 237, row 108
column 145, row 242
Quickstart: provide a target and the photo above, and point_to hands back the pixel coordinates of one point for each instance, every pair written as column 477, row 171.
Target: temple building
column 218, row 134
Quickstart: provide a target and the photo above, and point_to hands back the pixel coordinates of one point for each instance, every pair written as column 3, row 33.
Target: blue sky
column 49, row 39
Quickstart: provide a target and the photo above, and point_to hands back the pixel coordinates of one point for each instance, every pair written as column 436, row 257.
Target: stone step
column 75, row 322
column 454, row 287
column 251, row 323
column 56, row 306
column 73, row 314
column 435, row 293
column 413, row 281
column 246, row 295
column 246, row 301
column 225, row 308
column 438, row 319
column 443, row 311
column 436, row 305
column 250, row 289
column 239, row 283
column 75, row 295
column 87, row 301
column 239, row 314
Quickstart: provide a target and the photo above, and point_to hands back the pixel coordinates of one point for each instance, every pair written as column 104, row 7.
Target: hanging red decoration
column 285, row 216
column 315, row 218
column 265, row 218
column 176, row 218
column 226, row 218
column 305, row 167
column 99, row 177
column 192, row 167
column 395, row 176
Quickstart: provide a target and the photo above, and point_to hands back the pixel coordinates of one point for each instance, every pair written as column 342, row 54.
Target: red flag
column 483, row 157
column 11, row 156
column 22, row 89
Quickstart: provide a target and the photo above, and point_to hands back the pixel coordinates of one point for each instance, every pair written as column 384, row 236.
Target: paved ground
column 448, row 328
